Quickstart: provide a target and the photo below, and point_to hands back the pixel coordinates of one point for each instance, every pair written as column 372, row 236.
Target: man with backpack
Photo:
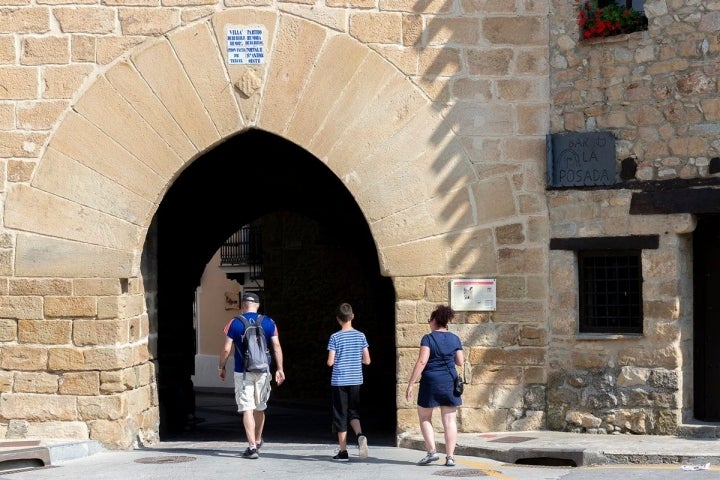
column 252, row 366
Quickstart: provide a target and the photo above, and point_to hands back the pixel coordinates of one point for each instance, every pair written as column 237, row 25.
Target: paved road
column 305, row 461
column 299, row 446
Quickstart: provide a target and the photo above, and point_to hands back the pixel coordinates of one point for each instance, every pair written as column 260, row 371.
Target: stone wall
column 619, row 383
column 103, row 106
column 75, row 362
column 506, row 351
column 452, row 184
column 656, row 91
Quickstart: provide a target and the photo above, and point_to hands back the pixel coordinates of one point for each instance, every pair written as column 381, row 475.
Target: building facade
column 436, row 117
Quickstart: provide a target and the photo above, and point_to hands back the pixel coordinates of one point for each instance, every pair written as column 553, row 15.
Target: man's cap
column 250, row 297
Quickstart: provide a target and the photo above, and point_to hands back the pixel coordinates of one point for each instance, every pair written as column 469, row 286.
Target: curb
column 26, row 454
column 528, row 456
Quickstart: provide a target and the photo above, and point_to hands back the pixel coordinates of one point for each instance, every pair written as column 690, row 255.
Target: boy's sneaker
column 341, row 456
column 250, row 453
column 362, row 446
column 429, row 458
column 260, row 444
column 449, row 461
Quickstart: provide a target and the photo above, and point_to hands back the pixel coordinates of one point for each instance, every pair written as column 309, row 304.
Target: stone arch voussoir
column 134, row 129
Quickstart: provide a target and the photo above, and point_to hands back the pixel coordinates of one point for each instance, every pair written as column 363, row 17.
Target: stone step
column 699, row 430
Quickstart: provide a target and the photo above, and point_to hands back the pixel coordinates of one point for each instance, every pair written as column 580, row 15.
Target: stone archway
column 135, row 128
column 81, row 222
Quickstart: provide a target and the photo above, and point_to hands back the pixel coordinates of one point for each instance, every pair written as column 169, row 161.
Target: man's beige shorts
column 253, row 392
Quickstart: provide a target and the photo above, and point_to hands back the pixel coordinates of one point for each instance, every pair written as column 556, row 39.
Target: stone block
column 96, row 286
column 80, row 383
column 128, row 81
column 113, row 433
column 63, row 81
column 207, row 73
column 155, row 64
column 107, row 358
column 409, row 288
column 40, row 115
column 35, row 382
column 506, row 396
column 85, row 19
column 440, row 61
column 8, row 330
column 121, row 306
column 341, row 59
column 7, row 380
column 19, row 144
column 65, row 359
column 40, row 286
column 23, row 357
column 484, row 419
column 376, row 27
column 67, row 178
column 110, row 111
column 58, row 430
column 405, row 312
column 69, row 220
column 20, row 83
column 148, row 21
column 496, row 375
column 100, row 332
column 38, row 407
column 63, row 306
column 288, row 71
column 45, row 50
column 409, row 335
column 105, row 407
column 38, row 256
column 47, row 332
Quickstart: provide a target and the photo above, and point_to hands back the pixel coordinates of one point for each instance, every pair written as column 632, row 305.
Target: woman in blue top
column 440, row 351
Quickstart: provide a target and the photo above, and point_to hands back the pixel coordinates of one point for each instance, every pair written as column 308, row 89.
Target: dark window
column 610, row 291
column 636, row 5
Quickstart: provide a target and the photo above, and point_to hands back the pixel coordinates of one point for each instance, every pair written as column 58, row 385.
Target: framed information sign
column 473, row 295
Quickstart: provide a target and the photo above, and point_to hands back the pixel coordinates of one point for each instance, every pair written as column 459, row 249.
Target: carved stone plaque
column 581, row 159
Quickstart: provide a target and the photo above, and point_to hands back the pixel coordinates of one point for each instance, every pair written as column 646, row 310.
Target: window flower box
column 609, row 20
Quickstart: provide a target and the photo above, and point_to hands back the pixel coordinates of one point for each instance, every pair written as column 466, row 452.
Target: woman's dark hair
column 442, row 315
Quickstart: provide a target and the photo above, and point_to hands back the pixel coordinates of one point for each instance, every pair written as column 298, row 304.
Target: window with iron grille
column 610, row 291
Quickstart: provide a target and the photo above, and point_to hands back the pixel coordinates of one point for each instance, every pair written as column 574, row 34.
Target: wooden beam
column 632, row 242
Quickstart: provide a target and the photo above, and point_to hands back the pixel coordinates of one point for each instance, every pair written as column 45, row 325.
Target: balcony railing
column 244, row 249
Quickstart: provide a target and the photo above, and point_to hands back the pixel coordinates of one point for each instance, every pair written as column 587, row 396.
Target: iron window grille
column 610, row 291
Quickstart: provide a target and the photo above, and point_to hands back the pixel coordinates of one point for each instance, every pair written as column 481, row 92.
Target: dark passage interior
column 317, row 252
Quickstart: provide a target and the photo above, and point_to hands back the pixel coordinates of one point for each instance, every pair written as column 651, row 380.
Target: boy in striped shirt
column 347, row 353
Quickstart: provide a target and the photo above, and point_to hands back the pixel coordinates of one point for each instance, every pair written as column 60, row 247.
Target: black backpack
column 255, row 350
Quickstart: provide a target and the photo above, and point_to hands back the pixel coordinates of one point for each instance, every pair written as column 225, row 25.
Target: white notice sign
column 246, row 44
column 473, row 295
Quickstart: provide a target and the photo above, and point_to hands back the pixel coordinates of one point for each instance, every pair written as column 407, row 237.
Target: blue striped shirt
column 348, row 346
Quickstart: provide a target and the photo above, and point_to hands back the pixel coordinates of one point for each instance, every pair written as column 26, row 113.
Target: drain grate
column 170, row 459
column 462, row 472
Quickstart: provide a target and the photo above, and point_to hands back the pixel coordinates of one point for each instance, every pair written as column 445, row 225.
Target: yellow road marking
column 491, row 469
column 649, row 466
